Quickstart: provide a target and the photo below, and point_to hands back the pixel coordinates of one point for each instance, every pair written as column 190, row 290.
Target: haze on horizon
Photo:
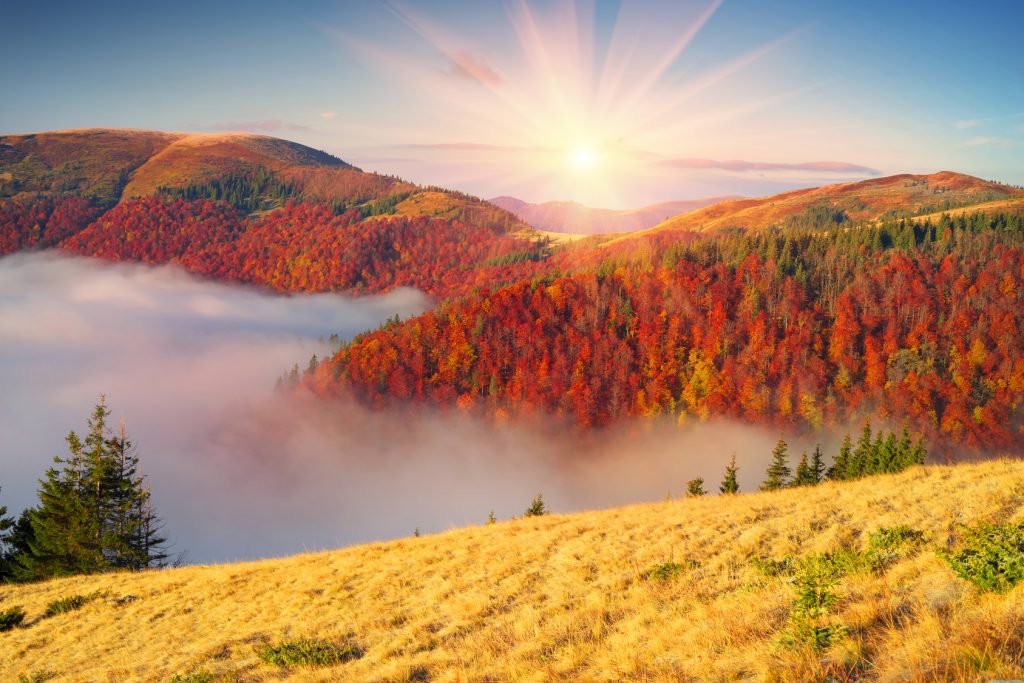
column 612, row 104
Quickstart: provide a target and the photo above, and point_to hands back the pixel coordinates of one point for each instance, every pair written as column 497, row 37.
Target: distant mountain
column 249, row 208
column 256, row 172
column 898, row 195
column 573, row 217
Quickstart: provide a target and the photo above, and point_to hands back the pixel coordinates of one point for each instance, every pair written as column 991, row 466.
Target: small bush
column 810, row 622
column 537, row 507
column 310, row 653
column 195, row 677
column 767, row 566
column 991, row 556
column 888, row 545
column 836, row 564
column 11, row 618
column 667, row 570
column 37, row 677
column 69, row 604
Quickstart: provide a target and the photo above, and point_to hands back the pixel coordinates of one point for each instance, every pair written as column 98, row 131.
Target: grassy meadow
column 680, row 590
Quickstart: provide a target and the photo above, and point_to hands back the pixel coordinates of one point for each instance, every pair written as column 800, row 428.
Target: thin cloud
column 741, row 166
column 964, row 124
column 328, row 115
column 474, row 67
column 261, row 126
column 987, row 141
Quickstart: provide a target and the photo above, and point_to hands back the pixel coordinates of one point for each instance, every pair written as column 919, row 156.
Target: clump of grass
column 667, row 570
column 195, row 677
column 991, row 556
column 885, row 546
column 768, row 566
column 37, row 677
column 68, row 604
column 309, row 653
column 890, row 544
column 11, row 618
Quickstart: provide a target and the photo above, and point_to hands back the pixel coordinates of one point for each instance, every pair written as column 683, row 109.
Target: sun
column 583, row 158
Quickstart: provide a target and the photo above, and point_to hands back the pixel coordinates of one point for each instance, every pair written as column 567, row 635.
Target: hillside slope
column 571, row 217
column 568, row 598
column 900, row 194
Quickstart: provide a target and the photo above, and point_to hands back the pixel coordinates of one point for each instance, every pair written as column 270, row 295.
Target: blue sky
column 454, row 93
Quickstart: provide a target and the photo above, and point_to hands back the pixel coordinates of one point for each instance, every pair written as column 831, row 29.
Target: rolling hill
column 571, row 217
column 695, row 589
column 249, row 208
column 898, row 195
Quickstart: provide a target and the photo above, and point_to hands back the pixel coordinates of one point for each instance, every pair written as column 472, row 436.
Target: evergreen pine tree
column 729, row 484
column 904, row 450
column 6, row 530
column 537, row 507
column 17, row 546
column 695, row 488
column 803, row 475
column 861, row 459
column 888, row 460
column 817, row 465
column 62, row 542
column 778, row 471
column 841, row 464
column 95, row 511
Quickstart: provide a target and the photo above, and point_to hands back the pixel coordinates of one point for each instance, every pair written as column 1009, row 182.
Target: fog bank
column 239, row 471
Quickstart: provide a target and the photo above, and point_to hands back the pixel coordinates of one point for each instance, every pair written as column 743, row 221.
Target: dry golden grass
column 863, row 200
column 562, row 598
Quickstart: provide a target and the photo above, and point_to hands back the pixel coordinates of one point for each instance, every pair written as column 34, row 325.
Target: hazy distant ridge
column 577, row 218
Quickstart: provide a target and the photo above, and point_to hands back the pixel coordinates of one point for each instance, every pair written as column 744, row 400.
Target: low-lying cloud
column 241, row 471
column 741, row 166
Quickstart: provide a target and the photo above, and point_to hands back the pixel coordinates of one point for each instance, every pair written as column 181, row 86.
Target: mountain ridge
column 575, row 218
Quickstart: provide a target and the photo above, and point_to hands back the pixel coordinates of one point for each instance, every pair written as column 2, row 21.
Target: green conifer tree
column 695, row 488
column 860, row 461
column 6, row 530
column 778, row 471
column 842, row 463
column 817, row 465
column 729, row 484
column 95, row 511
column 803, row 475
column 537, row 507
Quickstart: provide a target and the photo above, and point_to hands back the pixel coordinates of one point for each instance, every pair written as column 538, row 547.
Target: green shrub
column 311, row 653
column 37, row 677
column 890, row 544
column 767, row 566
column 809, row 618
column 11, row 618
column 195, row 677
column 68, row 604
column 667, row 570
column 991, row 556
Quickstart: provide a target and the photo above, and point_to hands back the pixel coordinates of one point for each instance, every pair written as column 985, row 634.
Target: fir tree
column 6, row 530
column 860, row 461
column 778, row 471
column 841, row 464
column 537, row 507
column 695, row 488
column 817, row 465
column 803, row 476
column 95, row 511
column 729, row 484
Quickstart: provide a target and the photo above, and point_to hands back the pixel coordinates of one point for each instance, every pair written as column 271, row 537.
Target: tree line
column 883, row 453
column 94, row 512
